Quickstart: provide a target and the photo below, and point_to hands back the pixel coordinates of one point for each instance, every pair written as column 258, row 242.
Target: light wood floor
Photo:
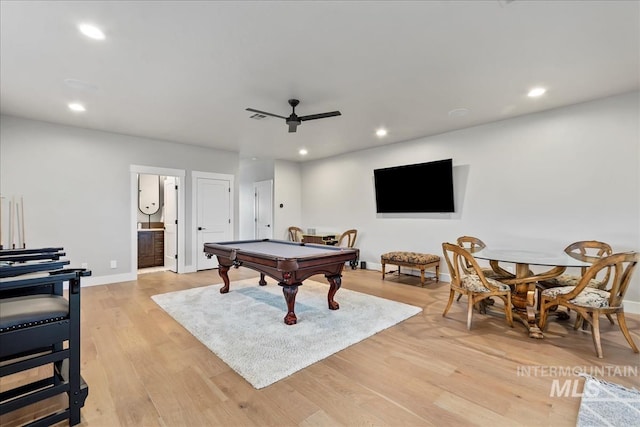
column 144, row 369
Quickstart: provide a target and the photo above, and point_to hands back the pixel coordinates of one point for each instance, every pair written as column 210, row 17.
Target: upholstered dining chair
column 295, row 234
column 473, row 244
column 348, row 239
column 472, row 282
column 589, row 251
column 590, row 302
column 584, row 250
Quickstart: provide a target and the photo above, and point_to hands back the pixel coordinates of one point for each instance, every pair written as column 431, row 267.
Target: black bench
column 35, row 322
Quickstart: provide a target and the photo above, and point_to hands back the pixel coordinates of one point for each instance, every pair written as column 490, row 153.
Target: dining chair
column 585, row 250
column 473, row 244
column 295, row 234
column 590, row 302
column 472, row 282
column 348, row 239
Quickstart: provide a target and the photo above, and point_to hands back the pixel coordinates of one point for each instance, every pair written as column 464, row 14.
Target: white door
column 263, row 209
column 171, row 223
column 213, row 217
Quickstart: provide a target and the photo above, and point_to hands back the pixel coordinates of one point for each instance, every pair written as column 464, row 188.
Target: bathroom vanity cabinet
column 150, row 248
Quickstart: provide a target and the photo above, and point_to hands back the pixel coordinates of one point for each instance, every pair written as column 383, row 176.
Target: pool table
column 290, row 263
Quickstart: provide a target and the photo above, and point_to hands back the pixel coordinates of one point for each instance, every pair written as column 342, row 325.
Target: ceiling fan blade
column 293, row 126
column 319, row 116
column 265, row 113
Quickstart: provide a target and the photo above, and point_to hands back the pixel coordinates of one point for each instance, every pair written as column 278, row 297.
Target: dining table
column 523, row 280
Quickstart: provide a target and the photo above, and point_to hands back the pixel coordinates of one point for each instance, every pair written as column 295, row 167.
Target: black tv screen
column 422, row 187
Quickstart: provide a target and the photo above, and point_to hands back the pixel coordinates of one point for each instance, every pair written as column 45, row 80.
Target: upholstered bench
column 413, row 260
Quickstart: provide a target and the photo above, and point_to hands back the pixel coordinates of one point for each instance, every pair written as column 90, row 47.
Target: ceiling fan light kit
column 293, row 121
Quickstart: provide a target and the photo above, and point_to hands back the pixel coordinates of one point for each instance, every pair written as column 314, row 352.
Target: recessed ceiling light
column 458, row 112
column 76, row 107
column 91, row 31
column 303, row 152
column 538, row 91
column 381, row 132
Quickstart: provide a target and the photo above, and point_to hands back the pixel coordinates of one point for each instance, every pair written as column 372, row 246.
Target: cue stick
column 24, row 243
column 12, row 215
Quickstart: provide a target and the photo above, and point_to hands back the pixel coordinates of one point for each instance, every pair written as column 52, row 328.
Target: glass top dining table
column 523, row 282
column 518, row 256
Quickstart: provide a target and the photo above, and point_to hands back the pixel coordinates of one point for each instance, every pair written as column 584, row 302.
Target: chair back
column 471, row 244
column 349, row 236
column 622, row 266
column 451, row 258
column 457, row 259
column 295, row 234
column 591, row 251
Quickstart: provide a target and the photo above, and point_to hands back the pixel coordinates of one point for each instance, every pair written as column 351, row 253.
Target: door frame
column 180, row 174
column 171, row 191
column 194, row 208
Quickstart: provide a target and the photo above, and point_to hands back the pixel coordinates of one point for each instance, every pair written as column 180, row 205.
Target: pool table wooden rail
column 288, row 269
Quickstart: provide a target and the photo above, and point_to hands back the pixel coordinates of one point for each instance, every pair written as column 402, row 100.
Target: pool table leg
column 222, row 271
column 290, row 292
column 262, row 282
column 335, row 282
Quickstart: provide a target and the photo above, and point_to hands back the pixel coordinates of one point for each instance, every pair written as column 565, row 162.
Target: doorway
column 175, row 236
column 263, row 209
column 212, row 213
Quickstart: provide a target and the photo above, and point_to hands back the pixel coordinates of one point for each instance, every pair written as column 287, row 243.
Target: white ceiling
column 186, row 71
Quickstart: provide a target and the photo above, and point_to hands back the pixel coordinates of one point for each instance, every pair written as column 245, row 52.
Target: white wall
column 539, row 181
column 76, row 186
column 286, row 192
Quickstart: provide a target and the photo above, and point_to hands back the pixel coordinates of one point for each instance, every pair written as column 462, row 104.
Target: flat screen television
column 422, row 187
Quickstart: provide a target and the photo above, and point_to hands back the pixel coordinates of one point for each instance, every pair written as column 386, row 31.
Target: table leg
column 335, row 282
column 262, row 282
column 222, row 271
column 290, row 292
column 523, row 299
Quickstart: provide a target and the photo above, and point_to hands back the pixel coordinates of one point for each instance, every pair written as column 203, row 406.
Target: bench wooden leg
column 422, row 276
column 383, row 270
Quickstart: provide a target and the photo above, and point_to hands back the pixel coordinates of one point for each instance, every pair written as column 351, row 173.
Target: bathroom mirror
column 148, row 194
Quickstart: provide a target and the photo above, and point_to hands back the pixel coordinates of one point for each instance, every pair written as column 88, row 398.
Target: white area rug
column 245, row 327
column 608, row 404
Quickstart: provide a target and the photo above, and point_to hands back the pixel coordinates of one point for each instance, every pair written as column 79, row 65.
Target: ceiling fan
column 294, row 120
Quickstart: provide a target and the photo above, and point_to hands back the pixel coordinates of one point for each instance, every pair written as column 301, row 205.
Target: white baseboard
column 105, row 280
column 632, row 307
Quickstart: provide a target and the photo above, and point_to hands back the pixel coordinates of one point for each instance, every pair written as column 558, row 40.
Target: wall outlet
column 114, row 263
column 84, row 265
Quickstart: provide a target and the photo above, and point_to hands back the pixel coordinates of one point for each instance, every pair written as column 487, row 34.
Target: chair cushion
column 409, row 257
column 589, row 297
column 31, row 310
column 571, row 280
column 472, row 282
